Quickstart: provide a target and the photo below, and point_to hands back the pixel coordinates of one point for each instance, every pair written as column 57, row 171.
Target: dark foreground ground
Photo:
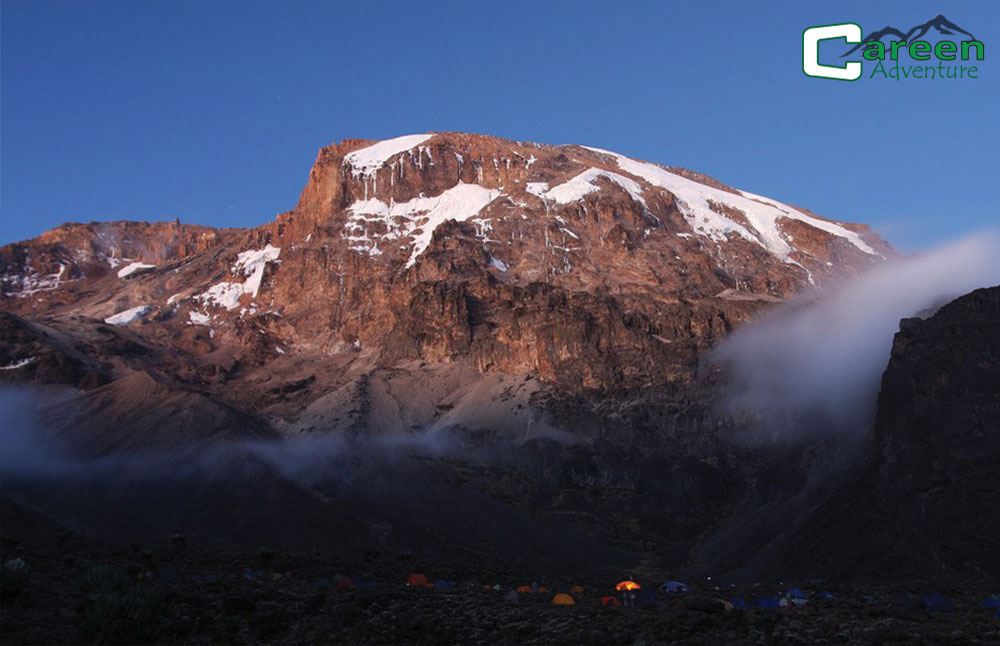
column 80, row 593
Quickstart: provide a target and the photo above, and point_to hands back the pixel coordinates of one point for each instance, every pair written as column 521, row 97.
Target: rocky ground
column 77, row 593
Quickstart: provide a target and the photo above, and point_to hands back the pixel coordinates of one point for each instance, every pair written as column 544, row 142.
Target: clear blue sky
column 213, row 112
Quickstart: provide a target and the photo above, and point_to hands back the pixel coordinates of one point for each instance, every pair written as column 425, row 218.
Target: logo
column 945, row 59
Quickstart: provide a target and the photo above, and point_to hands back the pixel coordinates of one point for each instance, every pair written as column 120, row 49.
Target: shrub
column 116, row 609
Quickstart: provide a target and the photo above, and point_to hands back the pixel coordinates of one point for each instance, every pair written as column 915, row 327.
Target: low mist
column 26, row 450
column 813, row 366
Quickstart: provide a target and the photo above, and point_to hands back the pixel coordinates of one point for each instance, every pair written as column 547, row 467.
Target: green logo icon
column 937, row 61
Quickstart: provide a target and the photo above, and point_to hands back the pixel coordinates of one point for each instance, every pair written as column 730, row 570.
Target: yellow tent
column 563, row 600
column 628, row 585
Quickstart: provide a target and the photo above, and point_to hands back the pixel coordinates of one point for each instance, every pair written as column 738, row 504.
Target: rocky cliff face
column 938, row 429
column 548, row 303
column 587, row 268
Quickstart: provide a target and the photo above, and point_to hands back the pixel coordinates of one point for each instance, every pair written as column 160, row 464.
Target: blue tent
column 795, row 593
column 768, row 603
column 992, row 601
column 443, row 584
column 673, row 586
column 360, row 583
column 936, row 602
column 739, row 603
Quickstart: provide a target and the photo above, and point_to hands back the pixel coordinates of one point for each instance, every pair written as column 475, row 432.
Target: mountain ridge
column 534, row 316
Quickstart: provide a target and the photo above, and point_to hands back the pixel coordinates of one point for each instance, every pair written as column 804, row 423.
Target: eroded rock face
column 590, row 269
column 938, row 428
column 550, row 304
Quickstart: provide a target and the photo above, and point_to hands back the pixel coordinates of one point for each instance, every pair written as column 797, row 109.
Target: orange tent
column 418, row 580
column 628, row 585
column 610, row 601
column 576, row 590
column 543, row 590
column 524, row 589
column 563, row 600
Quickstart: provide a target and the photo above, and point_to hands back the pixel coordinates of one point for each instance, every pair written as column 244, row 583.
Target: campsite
column 84, row 592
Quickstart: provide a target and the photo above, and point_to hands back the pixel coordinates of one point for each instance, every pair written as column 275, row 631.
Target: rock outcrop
column 938, row 431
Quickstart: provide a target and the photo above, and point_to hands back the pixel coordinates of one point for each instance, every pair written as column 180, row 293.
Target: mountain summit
column 582, row 266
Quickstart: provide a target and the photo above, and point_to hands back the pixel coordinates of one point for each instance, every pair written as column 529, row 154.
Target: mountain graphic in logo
column 939, row 22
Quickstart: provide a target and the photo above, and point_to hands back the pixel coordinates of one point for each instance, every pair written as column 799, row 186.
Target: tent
column 739, row 603
column 627, row 585
column 610, row 601
column 444, row 584
column 524, row 589
column 673, row 586
column 511, row 596
column 543, row 590
column 796, row 597
column 563, row 600
column 576, row 590
column 992, row 601
column 418, row 580
column 346, row 584
column 768, row 603
column 361, row 583
column 936, row 602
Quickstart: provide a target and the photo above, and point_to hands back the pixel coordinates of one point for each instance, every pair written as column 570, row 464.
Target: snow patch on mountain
column 31, row 282
column 129, row 316
column 225, row 295
column 19, row 364
column 133, row 268
column 695, row 201
column 498, row 264
column 253, row 263
column 537, row 188
column 585, row 183
column 250, row 263
column 198, row 318
column 366, row 161
column 416, row 219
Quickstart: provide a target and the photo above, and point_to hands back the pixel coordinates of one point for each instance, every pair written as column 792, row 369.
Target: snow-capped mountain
column 511, row 256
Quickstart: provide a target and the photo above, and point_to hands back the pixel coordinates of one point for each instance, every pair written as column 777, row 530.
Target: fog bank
column 813, row 366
